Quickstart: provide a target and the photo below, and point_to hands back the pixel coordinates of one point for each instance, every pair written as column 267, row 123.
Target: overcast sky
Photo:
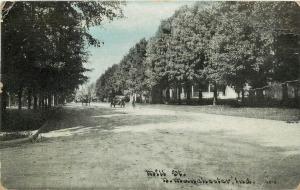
column 141, row 21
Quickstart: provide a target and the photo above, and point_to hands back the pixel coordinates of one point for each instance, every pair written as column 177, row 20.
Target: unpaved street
column 97, row 147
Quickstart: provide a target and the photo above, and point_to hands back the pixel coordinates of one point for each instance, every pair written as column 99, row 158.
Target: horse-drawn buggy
column 86, row 99
column 118, row 100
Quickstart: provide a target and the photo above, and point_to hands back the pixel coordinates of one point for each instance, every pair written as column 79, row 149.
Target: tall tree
column 44, row 45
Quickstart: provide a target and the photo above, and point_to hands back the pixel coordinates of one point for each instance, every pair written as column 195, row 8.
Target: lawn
column 23, row 120
column 282, row 114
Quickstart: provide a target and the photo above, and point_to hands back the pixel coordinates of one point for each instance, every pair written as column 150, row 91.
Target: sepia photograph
column 150, row 95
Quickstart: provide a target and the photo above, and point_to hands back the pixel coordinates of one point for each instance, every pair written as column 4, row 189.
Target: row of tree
column 129, row 74
column 223, row 43
column 44, row 48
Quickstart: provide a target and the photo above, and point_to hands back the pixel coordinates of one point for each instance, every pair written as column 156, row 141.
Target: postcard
column 140, row 95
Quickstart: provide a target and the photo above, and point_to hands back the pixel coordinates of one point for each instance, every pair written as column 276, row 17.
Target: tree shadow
column 101, row 119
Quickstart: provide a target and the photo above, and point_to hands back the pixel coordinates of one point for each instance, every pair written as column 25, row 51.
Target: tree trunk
column 141, row 97
column 168, row 95
column 296, row 100
column 200, row 96
column 188, row 94
column 243, row 95
column 3, row 99
column 49, row 101
column 161, row 97
column 9, row 100
column 284, row 93
column 54, row 99
column 40, row 101
column 20, row 92
column 57, row 99
column 175, row 94
column 43, row 103
column 35, row 101
column 29, row 99
column 215, row 94
column 179, row 95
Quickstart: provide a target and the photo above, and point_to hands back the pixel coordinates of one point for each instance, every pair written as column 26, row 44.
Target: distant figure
column 89, row 100
column 122, row 103
column 86, row 100
column 112, row 103
column 133, row 103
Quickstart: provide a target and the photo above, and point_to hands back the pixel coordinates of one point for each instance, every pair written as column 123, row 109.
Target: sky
column 141, row 21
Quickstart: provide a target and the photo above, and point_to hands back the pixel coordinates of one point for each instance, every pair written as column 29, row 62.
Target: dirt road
column 98, row 147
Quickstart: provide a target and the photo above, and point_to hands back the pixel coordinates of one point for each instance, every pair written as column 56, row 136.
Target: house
column 172, row 94
column 286, row 93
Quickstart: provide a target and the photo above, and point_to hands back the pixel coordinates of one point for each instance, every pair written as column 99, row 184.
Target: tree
column 282, row 27
column 128, row 75
column 232, row 56
column 188, row 45
column 44, row 46
column 157, row 60
column 221, row 43
column 107, row 85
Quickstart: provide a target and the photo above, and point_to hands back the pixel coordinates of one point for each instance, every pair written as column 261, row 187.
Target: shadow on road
column 94, row 119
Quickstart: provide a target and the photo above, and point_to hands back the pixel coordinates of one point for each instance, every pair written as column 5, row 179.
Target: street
column 98, row 147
